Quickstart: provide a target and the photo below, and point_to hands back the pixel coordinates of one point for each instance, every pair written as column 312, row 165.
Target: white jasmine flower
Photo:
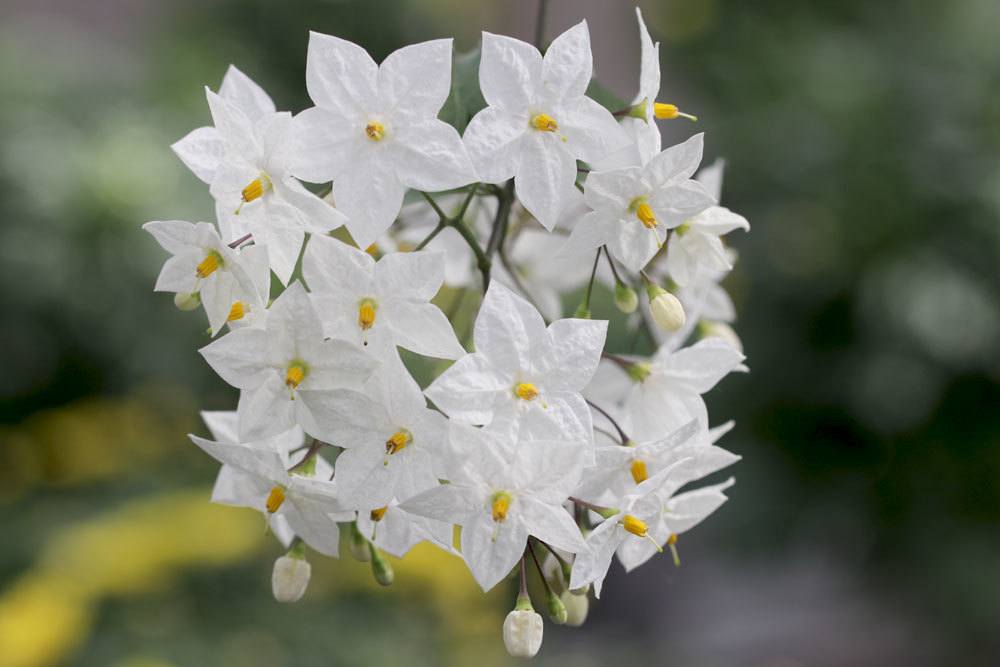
column 634, row 207
column 283, row 368
column 391, row 439
column 374, row 130
column 539, row 120
column 245, row 158
column 309, row 506
column 380, row 304
column 203, row 264
column 697, row 247
column 524, row 379
column 501, row 496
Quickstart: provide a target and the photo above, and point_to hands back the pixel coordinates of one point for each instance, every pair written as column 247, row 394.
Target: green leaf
column 465, row 99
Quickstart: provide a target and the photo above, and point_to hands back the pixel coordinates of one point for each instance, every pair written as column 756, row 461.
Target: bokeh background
column 863, row 143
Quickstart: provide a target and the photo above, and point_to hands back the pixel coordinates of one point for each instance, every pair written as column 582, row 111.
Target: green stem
column 434, row 205
column 590, row 285
column 430, row 237
column 611, row 263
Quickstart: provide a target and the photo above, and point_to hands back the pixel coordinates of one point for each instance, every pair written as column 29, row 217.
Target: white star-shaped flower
column 396, row 531
column 499, row 501
column 309, row 505
column 283, row 369
column 539, row 121
column 202, row 263
column 374, row 130
column 380, row 304
column 245, row 158
column 524, row 379
column 391, row 440
column 633, row 207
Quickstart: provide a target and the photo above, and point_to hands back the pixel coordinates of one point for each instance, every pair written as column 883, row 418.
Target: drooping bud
column 544, row 123
column 582, row 312
column 275, row 499
column 209, row 265
column 555, row 607
column 380, row 567
column 577, row 607
column 712, row 329
column 526, row 391
column 625, row 298
column 638, row 470
column 187, row 300
column 359, row 545
column 522, row 630
column 375, row 130
column 668, row 312
column 670, row 111
column 290, row 576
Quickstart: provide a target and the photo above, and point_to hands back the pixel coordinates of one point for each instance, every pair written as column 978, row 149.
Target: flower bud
column 380, row 567
column 625, row 298
column 290, row 577
column 187, row 300
column 668, row 313
column 711, row 329
column 556, row 608
column 359, row 545
column 577, row 607
column 522, row 632
column 582, row 312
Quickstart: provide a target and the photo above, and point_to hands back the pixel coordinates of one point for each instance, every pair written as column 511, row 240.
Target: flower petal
column 415, row 80
column 543, row 177
column 509, row 71
column 340, row 75
column 201, row 150
column 568, row 63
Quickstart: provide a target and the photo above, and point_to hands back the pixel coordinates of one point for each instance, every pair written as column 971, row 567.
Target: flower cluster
column 543, row 447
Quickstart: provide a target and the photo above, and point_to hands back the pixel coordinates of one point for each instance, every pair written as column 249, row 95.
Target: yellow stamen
column 669, row 112
column 209, row 265
column 634, row 525
column 237, row 312
column 253, row 191
column 639, row 473
column 375, row 130
column 500, row 506
column 294, row 375
column 672, row 543
column 397, row 441
column 366, row 313
column 373, row 250
column 544, row 123
column 646, row 216
column 275, row 499
column 526, row 391
column 377, row 514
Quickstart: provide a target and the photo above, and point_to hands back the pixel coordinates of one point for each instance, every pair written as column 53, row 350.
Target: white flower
column 539, row 121
column 633, row 207
column 310, row 506
column 290, row 577
column 396, row 531
column 696, row 248
column 380, row 304
column 524, row 379
column 283, row 368
column 202, row 263
column 502, row 495
column 374, row 130
column 522, row 633
column 391, row 439
column 245, row 159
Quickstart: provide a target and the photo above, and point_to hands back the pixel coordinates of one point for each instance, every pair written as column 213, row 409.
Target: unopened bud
column 290, row 577
column 668, row 313
column 556, row 608
column 380, row 567
column 577, row 607
column 359, row 545
column 625, row 298
column 582, row 312
column 522, row 632
column 187, row 300
column 711, row 329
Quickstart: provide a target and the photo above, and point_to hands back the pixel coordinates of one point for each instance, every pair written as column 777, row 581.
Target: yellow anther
column 672, row 540
column 544, row 123
column 253, row 191
column 646, row 216
column 274, row 499
column 669, row 112
column 366, row 313
column 373, row 250
column 672, row 543
column 526, row 391
column 639, row 473
column 237, row 312
column 500, row 506
column 398, row 441
column 377, row 514
column 208, row 266
column 634, row 525
column 375, row 130
column 294, row 375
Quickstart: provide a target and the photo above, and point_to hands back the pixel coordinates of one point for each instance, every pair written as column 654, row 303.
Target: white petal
column 234, row 127
column 370, row 195
column 239, row 357
column 509, row 72
column 687, row 510
column 552, row 524
column 243, row 93
column 467, row 390
column 201, row 150
column 265, row 410
column 262, row 464
column 325, row 144
column 319, row 215
column 494, row 141
column 429, row 155
column 545, row 173
column 508, row 328
column 702, row 365
column 315, row 526
column 591, row 130
column 412, row 275
column 719, row 220
column 424, row 329
column 332, row 266
column 711, row 178
column 449, row 502
column 340, row 74
column 576, row 349
column 346, row 418
column 677, row 163
column 416, row 79
column 568, row 63
column 492, row 558
column 175, row 236
column 649, row 64
column 634, row 245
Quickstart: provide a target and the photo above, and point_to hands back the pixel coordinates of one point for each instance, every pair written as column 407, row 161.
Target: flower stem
column 590, row 285
column 621, row 434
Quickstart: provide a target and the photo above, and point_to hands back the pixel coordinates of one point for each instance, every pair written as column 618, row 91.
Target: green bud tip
column 625, row 298
column 380, row 567
column 556, row 608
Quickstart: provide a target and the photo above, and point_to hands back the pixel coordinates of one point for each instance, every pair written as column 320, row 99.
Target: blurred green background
column 863, row 143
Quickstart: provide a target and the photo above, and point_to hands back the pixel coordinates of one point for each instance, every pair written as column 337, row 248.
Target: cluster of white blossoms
column 540, row 448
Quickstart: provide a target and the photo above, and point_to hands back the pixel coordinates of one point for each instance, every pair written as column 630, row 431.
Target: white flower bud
column 522, row 633
column 187, row 300
column 577, row 607
column 666, row 308
column 290, row 577
column 710, row 329
column 625, row 298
